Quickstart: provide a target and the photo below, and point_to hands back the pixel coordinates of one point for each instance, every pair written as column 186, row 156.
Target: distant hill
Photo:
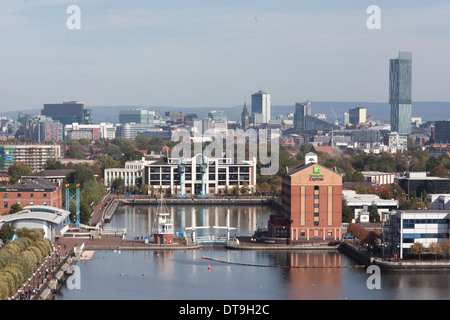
column 428, row 111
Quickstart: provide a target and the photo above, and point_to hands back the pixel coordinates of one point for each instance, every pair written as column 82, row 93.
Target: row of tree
column 19, row 258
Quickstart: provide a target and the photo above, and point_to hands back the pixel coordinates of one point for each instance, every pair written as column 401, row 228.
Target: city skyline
column 202, row 54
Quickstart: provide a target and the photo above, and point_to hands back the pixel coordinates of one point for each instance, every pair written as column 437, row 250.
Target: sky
column 211, row 53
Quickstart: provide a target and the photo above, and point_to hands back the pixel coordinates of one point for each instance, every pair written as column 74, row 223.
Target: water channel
column 273, row 275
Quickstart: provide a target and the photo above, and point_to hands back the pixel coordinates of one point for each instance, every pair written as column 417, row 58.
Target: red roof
column 325, row 149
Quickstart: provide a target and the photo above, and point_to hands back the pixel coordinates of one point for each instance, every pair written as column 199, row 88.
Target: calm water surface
column 179, row 275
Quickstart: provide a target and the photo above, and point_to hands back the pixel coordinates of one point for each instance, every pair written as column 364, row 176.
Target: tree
column 15, row 208
column 417, row 249
column 6, row 233
column 17, row 171
column 435, row 249
column 446, row 246
column 53, row 164
column 374, row 216
column 347, row 213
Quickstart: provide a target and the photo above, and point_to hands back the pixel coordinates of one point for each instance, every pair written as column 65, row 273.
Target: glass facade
column 400, row 92
column 66, row 113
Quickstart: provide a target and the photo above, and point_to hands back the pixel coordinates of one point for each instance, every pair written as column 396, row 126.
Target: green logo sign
column 316, row 169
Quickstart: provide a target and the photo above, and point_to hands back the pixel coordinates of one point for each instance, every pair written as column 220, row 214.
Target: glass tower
column 400, row 83
column 301, row 111
column 261, row 105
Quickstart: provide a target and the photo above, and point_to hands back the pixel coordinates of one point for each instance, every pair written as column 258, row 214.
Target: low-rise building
column 376, row 177
column 52, row 220
column 438, row 201
column 403, row 228
column 30, row 192
column 418, row 182
column 358, row 203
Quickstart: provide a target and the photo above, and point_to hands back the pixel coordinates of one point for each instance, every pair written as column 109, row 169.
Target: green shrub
column 9, row 280
column 15, row 273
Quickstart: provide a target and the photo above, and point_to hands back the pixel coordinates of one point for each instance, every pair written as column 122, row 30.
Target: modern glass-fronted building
column 68, row 112
column 403, row 228
column 261, row 105
column 442, row 131
column 301, row 111
column 400, row 88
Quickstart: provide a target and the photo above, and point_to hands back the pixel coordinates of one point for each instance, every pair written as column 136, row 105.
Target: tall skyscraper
column 261, row 105
column 301, row 111
column 400, row 98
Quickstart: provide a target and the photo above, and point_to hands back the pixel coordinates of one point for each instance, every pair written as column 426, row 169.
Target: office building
column 162, row 175
column 68, row 112
column 378, row 178
column 438, row 201
column 261, row 105
column 138, row 116
column 175, row 117
column 89, row 131
column 42, row 128
column 34, row 155
column 415, row 183
column 400, row 88
column 442, row 132
column 311, row 204
column 131, row 174
column 131, row 130
column 221, row 174
column 361, row 202
column 403, row 228
column 357, row 115
column 301, row 111
column 218, row 115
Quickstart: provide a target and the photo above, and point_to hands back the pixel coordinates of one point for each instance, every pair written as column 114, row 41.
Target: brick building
column 312, row 204
column 30, row 192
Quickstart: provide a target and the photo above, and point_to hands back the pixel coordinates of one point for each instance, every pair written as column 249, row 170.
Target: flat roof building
column 52, row 220
column 34, row 155
column 403, row 228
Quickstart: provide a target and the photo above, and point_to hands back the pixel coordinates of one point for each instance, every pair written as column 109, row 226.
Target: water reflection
column 245, row 220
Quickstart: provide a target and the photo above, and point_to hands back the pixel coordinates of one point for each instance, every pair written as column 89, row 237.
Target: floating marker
column 209, row 267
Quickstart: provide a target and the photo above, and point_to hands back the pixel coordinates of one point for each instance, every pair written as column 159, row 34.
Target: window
column 316, row 188
column 330, row 233
column 316, row 205
column 316, row 196
column 5, row 204
column 5, row 195
column 19, row 195
column 31, row 195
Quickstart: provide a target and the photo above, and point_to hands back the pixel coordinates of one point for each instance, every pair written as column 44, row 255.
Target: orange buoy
column 209, row 267
column 203, row 257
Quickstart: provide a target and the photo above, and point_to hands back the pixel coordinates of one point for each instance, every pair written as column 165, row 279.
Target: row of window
column 423, row 236
column 6, row 205
column 19, row 195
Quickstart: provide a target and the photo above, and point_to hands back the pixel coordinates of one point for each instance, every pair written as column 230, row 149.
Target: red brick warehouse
column 312, row 203
column 30, row 192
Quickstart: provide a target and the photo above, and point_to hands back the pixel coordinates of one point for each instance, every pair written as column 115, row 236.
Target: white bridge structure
column 210, row 239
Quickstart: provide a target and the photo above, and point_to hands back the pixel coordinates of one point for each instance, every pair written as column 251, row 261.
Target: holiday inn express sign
column 316, row 176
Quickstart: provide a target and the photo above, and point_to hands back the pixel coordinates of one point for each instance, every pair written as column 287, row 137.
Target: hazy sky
column 191, row 53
